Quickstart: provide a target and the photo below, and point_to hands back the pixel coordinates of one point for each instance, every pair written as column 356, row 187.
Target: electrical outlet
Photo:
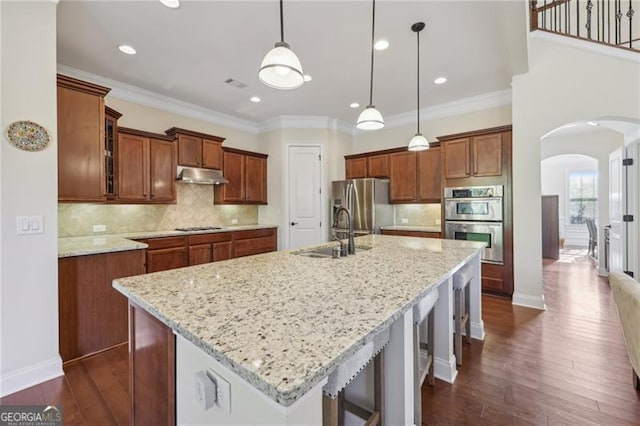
column 99, row 228
column 234, row 221
column 404, row 220
column 223, row 391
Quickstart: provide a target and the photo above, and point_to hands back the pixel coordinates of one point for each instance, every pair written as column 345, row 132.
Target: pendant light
column 281, row 68
column 418, row 142
column 370, row 118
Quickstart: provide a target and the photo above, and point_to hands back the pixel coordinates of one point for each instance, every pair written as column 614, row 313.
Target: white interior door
column 305, row 197
column 632, row 185
column 617, row 235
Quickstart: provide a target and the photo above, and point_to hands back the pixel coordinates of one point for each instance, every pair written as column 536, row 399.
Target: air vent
column 235, row 83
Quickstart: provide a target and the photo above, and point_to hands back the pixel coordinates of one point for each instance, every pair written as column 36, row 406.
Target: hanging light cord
column 373, row 32
column 418, row 78
column 281, row 24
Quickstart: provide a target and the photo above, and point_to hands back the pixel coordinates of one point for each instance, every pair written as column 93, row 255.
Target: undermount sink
column 325, row 252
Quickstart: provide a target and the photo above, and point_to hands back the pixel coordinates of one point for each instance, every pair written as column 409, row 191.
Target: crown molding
column 586, row 45
column 148, row 98
column 304, row 122
column 449, row 109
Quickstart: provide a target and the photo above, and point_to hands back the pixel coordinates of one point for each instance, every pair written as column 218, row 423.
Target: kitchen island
column 276, row 325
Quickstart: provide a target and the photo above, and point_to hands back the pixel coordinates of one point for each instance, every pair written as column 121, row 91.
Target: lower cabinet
column 411, row 233
column 167, row 253
column 92, row 314
column 205, row 248
column 152, row 370
column 246, row 243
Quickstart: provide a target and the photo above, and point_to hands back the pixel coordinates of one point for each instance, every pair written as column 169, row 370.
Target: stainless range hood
column 200, row 176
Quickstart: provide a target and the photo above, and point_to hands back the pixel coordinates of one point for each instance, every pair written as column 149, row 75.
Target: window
column 583, row 196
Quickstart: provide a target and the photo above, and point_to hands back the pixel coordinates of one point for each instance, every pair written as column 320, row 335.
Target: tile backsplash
column 194, row 208
column 418, row 214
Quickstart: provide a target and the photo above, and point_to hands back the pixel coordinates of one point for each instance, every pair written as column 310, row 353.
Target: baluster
column 578, row 17
column 618, row 24
column 567, row 12
column 630, row 13
column 598, row 20
column 588, row 24
column 609, row 22
column 603, row 27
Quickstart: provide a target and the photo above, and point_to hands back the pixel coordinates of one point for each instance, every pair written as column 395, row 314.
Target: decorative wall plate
column 28, row 136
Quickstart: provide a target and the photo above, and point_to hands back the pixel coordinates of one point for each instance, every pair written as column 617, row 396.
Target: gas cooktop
column 198, row 228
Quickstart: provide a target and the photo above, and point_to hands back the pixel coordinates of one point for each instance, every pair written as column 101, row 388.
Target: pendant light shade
column 418, row 142
column 371, row 118
column 281, row 68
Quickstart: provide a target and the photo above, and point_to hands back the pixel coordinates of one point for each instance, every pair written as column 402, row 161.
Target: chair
column 593, row 236
column 423, row 354
column 626, row 293
column 462, row 305
column 333, row 402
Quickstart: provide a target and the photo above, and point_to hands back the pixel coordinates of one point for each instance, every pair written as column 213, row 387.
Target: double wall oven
column 475, row 214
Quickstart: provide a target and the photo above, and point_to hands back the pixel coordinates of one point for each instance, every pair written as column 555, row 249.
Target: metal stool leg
column 417, row 405
column 430, row 345
column 378, row 388
column 330, row 412
column 467, row 310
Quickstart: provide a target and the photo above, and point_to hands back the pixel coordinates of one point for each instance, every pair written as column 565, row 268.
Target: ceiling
column 188, row 53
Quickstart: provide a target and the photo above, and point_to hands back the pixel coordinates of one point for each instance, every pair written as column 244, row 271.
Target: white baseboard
column 529, row 301
column 30, row 376
column 477, row 330
column 603, row 272
column 445, row 370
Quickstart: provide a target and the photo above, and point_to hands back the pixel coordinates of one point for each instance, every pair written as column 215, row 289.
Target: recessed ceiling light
column 125, row 48
column 255, row 99
column 354, row 105
column 592, row 123
column 440, row 80
column 381, row 45
column 307, row 77
column 173, row 4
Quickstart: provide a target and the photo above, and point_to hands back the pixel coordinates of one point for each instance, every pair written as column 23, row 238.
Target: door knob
column 294, row 223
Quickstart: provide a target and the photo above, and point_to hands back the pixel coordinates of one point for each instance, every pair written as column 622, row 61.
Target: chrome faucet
column 351, row 245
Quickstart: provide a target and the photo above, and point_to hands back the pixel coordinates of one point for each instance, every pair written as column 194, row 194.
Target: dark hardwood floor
column 567, row 365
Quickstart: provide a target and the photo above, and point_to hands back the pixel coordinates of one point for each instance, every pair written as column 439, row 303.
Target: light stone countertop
column 282, row 321
column 415, row 228
column 108, row 243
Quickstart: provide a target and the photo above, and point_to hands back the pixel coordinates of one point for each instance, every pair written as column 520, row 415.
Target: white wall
column 28, row 185
column 564, row 84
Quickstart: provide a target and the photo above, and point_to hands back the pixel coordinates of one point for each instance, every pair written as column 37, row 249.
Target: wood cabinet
column 403, row 175
column 378, row 166
column 81, row 141
column 429, row 176
column 247, row 175
column 356, row 168
column 403, row 233
column 146, row 167
column 472, row 156
column 197, row 149
column 205, row 248
column 110, row 146
column 246, row 243
column 167, row 253
column 152, row 370
column 92, row 314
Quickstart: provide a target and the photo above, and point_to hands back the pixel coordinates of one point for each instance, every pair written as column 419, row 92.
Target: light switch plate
column 404, row 220
column 223, row 399
column 99, row 228
column 27, row 225
column 234, row 221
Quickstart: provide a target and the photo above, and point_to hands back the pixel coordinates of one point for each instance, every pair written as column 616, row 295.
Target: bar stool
column 423, row 353
column 462, row 306
column 333, row 402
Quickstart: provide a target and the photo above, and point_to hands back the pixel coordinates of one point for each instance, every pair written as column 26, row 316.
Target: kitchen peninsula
column 270, row 328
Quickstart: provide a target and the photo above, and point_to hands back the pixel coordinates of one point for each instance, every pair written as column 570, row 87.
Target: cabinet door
column 487, row 155
column 356, row 168
column 455, row 158
column 133, row 168
column 165, row 259
column 378, row 166
column 81, row 160
column 256, row 180
column 110, row 138
column 211, row 154
column 162, row 160
column 234, row 165
column 199, row 254
column 189, row 151
column 222, row 251
column 429, row 176
column 403, row 176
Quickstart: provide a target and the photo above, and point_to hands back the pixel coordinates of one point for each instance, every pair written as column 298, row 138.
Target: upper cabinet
column 247, row 175
column 378, row 166
column 110, row 146
column 197, row 149
column 82, row 155
column 146, row 167
column 367, row 166
column 356, row 168
column 473, row 154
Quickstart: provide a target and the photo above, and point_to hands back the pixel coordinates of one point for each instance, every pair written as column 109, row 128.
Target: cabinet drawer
column 492, row 277
column 209, row 238
column 251, row 246
column 254, row 233
column 411, row 233
column 166, row 259
column 167, row 242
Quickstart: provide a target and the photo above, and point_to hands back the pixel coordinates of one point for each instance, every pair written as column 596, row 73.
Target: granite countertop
column 283, row 322
column 435, row 228
column 108, row 243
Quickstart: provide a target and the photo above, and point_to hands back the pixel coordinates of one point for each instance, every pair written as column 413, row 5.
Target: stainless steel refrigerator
column 368, row 202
